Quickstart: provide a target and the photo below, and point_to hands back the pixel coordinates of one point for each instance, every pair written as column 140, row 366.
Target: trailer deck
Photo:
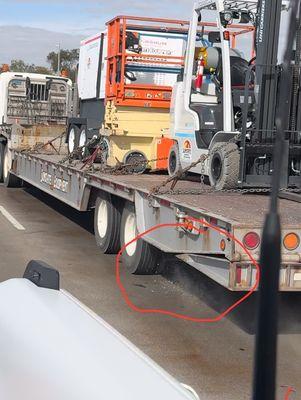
column 237, row 208
column 235, row 213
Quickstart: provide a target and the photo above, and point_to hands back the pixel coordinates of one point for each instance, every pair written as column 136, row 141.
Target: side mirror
column 42, row 275
column 214, row 37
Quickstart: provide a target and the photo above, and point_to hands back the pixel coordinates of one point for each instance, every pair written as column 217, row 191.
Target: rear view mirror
column 214, row 37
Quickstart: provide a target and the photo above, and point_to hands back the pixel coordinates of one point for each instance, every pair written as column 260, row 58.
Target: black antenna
column 270, row 261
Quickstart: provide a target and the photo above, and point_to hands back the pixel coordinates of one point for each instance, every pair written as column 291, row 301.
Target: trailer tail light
column 291, row 241
column 251, row 240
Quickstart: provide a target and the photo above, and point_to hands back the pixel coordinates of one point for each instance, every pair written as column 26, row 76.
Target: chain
column 78, row 152
column 122, row 168
column 183, row 171
column 38, row 148
column 210, row 190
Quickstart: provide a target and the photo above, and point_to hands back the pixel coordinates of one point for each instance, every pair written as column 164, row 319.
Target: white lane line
column 11, row 219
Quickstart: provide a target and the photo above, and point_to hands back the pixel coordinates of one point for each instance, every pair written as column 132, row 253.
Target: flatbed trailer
column 212, row 253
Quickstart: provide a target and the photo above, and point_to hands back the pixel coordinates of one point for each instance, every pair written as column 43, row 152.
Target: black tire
column 72, row 138
column 174, row 163
column 137, row 162
column 224, row 166
column 2, row 147
column 10, row 180
column 142, row 258
column 107, row 221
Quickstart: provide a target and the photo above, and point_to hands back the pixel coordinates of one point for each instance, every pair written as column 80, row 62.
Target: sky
column 29, row 30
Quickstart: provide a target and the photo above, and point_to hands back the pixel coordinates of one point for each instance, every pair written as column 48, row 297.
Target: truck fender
column 221, row 137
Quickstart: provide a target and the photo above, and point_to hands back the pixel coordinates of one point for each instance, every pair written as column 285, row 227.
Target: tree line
column 68, row 62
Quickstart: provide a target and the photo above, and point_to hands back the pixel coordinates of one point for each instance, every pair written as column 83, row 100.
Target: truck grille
column 36, row 111
column 38, row 92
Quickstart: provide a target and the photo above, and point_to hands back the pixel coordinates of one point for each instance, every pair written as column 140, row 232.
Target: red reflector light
column 251, row 240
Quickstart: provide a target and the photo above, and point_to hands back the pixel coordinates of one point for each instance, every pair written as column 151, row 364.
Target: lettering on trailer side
column 54, row 182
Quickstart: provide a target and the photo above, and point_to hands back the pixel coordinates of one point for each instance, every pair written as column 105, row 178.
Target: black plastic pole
column 270, row 261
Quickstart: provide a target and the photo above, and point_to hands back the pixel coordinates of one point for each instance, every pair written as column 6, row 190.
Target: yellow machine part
column 132, row 129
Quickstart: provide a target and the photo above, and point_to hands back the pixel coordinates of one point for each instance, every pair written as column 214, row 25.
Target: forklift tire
column 2, row 147
column 139, row 258
column 10, row 180
column 224, row 166
column 174, row 163
column 107, row 220
column 73, row 138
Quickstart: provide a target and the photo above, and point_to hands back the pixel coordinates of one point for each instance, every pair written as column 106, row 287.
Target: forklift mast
column 257, row 142
column 267, row 40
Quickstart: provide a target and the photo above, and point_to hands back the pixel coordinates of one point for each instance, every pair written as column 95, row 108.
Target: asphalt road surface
column 215, row 359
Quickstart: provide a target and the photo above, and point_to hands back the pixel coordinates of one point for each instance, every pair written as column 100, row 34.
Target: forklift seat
column 239, row 68
column 207, row 94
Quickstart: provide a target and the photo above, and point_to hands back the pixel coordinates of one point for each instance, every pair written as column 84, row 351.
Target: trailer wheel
column 2, row 147
column 107, row 224
column 82, row 140
column 224, row 166
column 139, row 258
column 10, row 180
column 174, row 163
column 73, row 138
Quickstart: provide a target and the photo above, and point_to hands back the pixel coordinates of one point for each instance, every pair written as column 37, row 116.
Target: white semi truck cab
column 33, row 110
column 27, row 98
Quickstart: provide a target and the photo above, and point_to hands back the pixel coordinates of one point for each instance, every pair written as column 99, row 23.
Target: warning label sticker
column 187, row 150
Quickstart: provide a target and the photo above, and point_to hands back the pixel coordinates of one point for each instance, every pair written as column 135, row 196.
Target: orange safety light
column 65, row 73
column 291, row 241
column 5, row 68
column 222, row 245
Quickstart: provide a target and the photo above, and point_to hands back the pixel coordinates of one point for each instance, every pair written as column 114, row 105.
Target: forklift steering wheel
column 252, row 61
